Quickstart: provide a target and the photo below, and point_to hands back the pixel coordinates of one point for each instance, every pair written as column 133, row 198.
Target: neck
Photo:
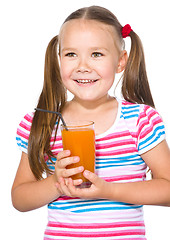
column 91, row 105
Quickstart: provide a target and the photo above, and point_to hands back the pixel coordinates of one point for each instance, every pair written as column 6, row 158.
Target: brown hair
column 135, row 87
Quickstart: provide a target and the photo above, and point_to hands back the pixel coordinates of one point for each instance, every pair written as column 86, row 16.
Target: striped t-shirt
column 137, row 129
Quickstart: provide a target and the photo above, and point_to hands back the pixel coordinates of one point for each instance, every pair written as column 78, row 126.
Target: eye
column 97, row 54
column 71, row 54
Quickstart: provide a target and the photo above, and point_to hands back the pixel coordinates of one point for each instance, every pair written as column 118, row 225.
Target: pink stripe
column 25, row 126
column 143, row 115
column 127, row 103
column 148, row 122
column 133, row 239
column 125, row 177
column 28, row 118
column 22, row 134
column 96, row 234
column 116, row 152
column 55, row 152
column 57, row 139
column 46, row 238
column 150, row 128
column 148, row 117
column 65, row 198
column 55, row 146
column 94, row 226
column 114, row 144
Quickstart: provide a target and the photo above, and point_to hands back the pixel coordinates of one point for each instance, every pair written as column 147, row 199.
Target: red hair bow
column 126, row 30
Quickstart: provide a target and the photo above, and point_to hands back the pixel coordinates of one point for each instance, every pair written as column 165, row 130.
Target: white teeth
column 85, row 81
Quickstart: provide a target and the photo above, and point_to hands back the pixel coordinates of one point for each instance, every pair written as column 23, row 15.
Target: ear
column 122, row 61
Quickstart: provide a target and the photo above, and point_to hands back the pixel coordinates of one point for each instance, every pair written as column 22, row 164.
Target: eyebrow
column 92, row 49
column 68, row 49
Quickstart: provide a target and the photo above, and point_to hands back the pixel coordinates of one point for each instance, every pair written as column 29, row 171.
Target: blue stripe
column 20, row 142
column 92, row 205
column 133, row 106
column 122, row 158
column 105, row 209
column 119, row 165
column 96, row 202
column 154, row 140
column 130, row 116
column 22, row 146
column 119, row 161
column 153, row 135
column 121, row 206
column 51, row 167
column 131, row 111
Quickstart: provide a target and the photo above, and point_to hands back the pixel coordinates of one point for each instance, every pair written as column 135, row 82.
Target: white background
column 26, row 28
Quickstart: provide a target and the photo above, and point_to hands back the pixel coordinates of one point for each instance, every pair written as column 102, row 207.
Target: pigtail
column 52, row 98
column 135, row 85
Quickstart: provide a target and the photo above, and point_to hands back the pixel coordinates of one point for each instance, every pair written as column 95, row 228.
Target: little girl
column 130, row 135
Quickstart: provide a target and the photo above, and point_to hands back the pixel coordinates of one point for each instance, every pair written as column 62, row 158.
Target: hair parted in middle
column 135, row 86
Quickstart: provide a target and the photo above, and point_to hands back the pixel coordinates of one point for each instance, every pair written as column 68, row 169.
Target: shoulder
column 140, row 116
column 23, row 131
column 130, row 110
column 145, row 123
column 139, row 111
column 26, row 122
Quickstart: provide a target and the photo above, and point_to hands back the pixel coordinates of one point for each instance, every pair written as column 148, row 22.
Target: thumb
column 92, row 177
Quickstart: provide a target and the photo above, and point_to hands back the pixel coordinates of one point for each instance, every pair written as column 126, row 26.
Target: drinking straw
column 58, row 113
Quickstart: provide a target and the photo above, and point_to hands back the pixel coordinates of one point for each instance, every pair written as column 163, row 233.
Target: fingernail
column 76, row 159
column 81, row 168
column 67, row 151
column 86, row 172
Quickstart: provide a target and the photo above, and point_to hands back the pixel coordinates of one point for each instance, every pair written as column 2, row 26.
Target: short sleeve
column 151, row 129
column 23, row 132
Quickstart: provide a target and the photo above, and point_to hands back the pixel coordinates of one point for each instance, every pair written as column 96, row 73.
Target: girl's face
column 89, row 58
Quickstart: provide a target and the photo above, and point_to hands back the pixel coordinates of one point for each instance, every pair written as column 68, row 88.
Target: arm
column 27, row 192
column 152, row 192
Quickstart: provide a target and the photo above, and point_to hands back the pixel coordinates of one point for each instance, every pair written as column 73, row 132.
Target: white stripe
column 82, row 230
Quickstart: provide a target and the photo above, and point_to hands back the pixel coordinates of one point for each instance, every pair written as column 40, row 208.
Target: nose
column 83, row 65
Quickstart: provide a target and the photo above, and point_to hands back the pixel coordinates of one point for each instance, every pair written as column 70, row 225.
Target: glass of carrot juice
column 79, row 138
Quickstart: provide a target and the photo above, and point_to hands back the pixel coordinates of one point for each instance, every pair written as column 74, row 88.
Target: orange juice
column 80, row 140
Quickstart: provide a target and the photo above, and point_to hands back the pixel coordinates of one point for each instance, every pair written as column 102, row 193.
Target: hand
column 99, row 188
column 61, row 172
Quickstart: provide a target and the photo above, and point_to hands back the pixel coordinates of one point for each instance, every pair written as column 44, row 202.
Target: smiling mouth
column 86, row 81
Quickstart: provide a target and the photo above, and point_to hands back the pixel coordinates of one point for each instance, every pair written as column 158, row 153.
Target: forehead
column 84, row 29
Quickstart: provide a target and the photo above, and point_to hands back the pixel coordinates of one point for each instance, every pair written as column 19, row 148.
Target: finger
column 72, row 171
column 76, row 192
column 63, row 154
column 64, row 187
column 64, row 162
column 77, row 182
column 92, row 177
column 59, row 188
column 72, row 188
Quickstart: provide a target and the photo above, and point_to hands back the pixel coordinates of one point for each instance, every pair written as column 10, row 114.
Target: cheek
column 64, row 71
column 109, row 66
column 108, row 71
